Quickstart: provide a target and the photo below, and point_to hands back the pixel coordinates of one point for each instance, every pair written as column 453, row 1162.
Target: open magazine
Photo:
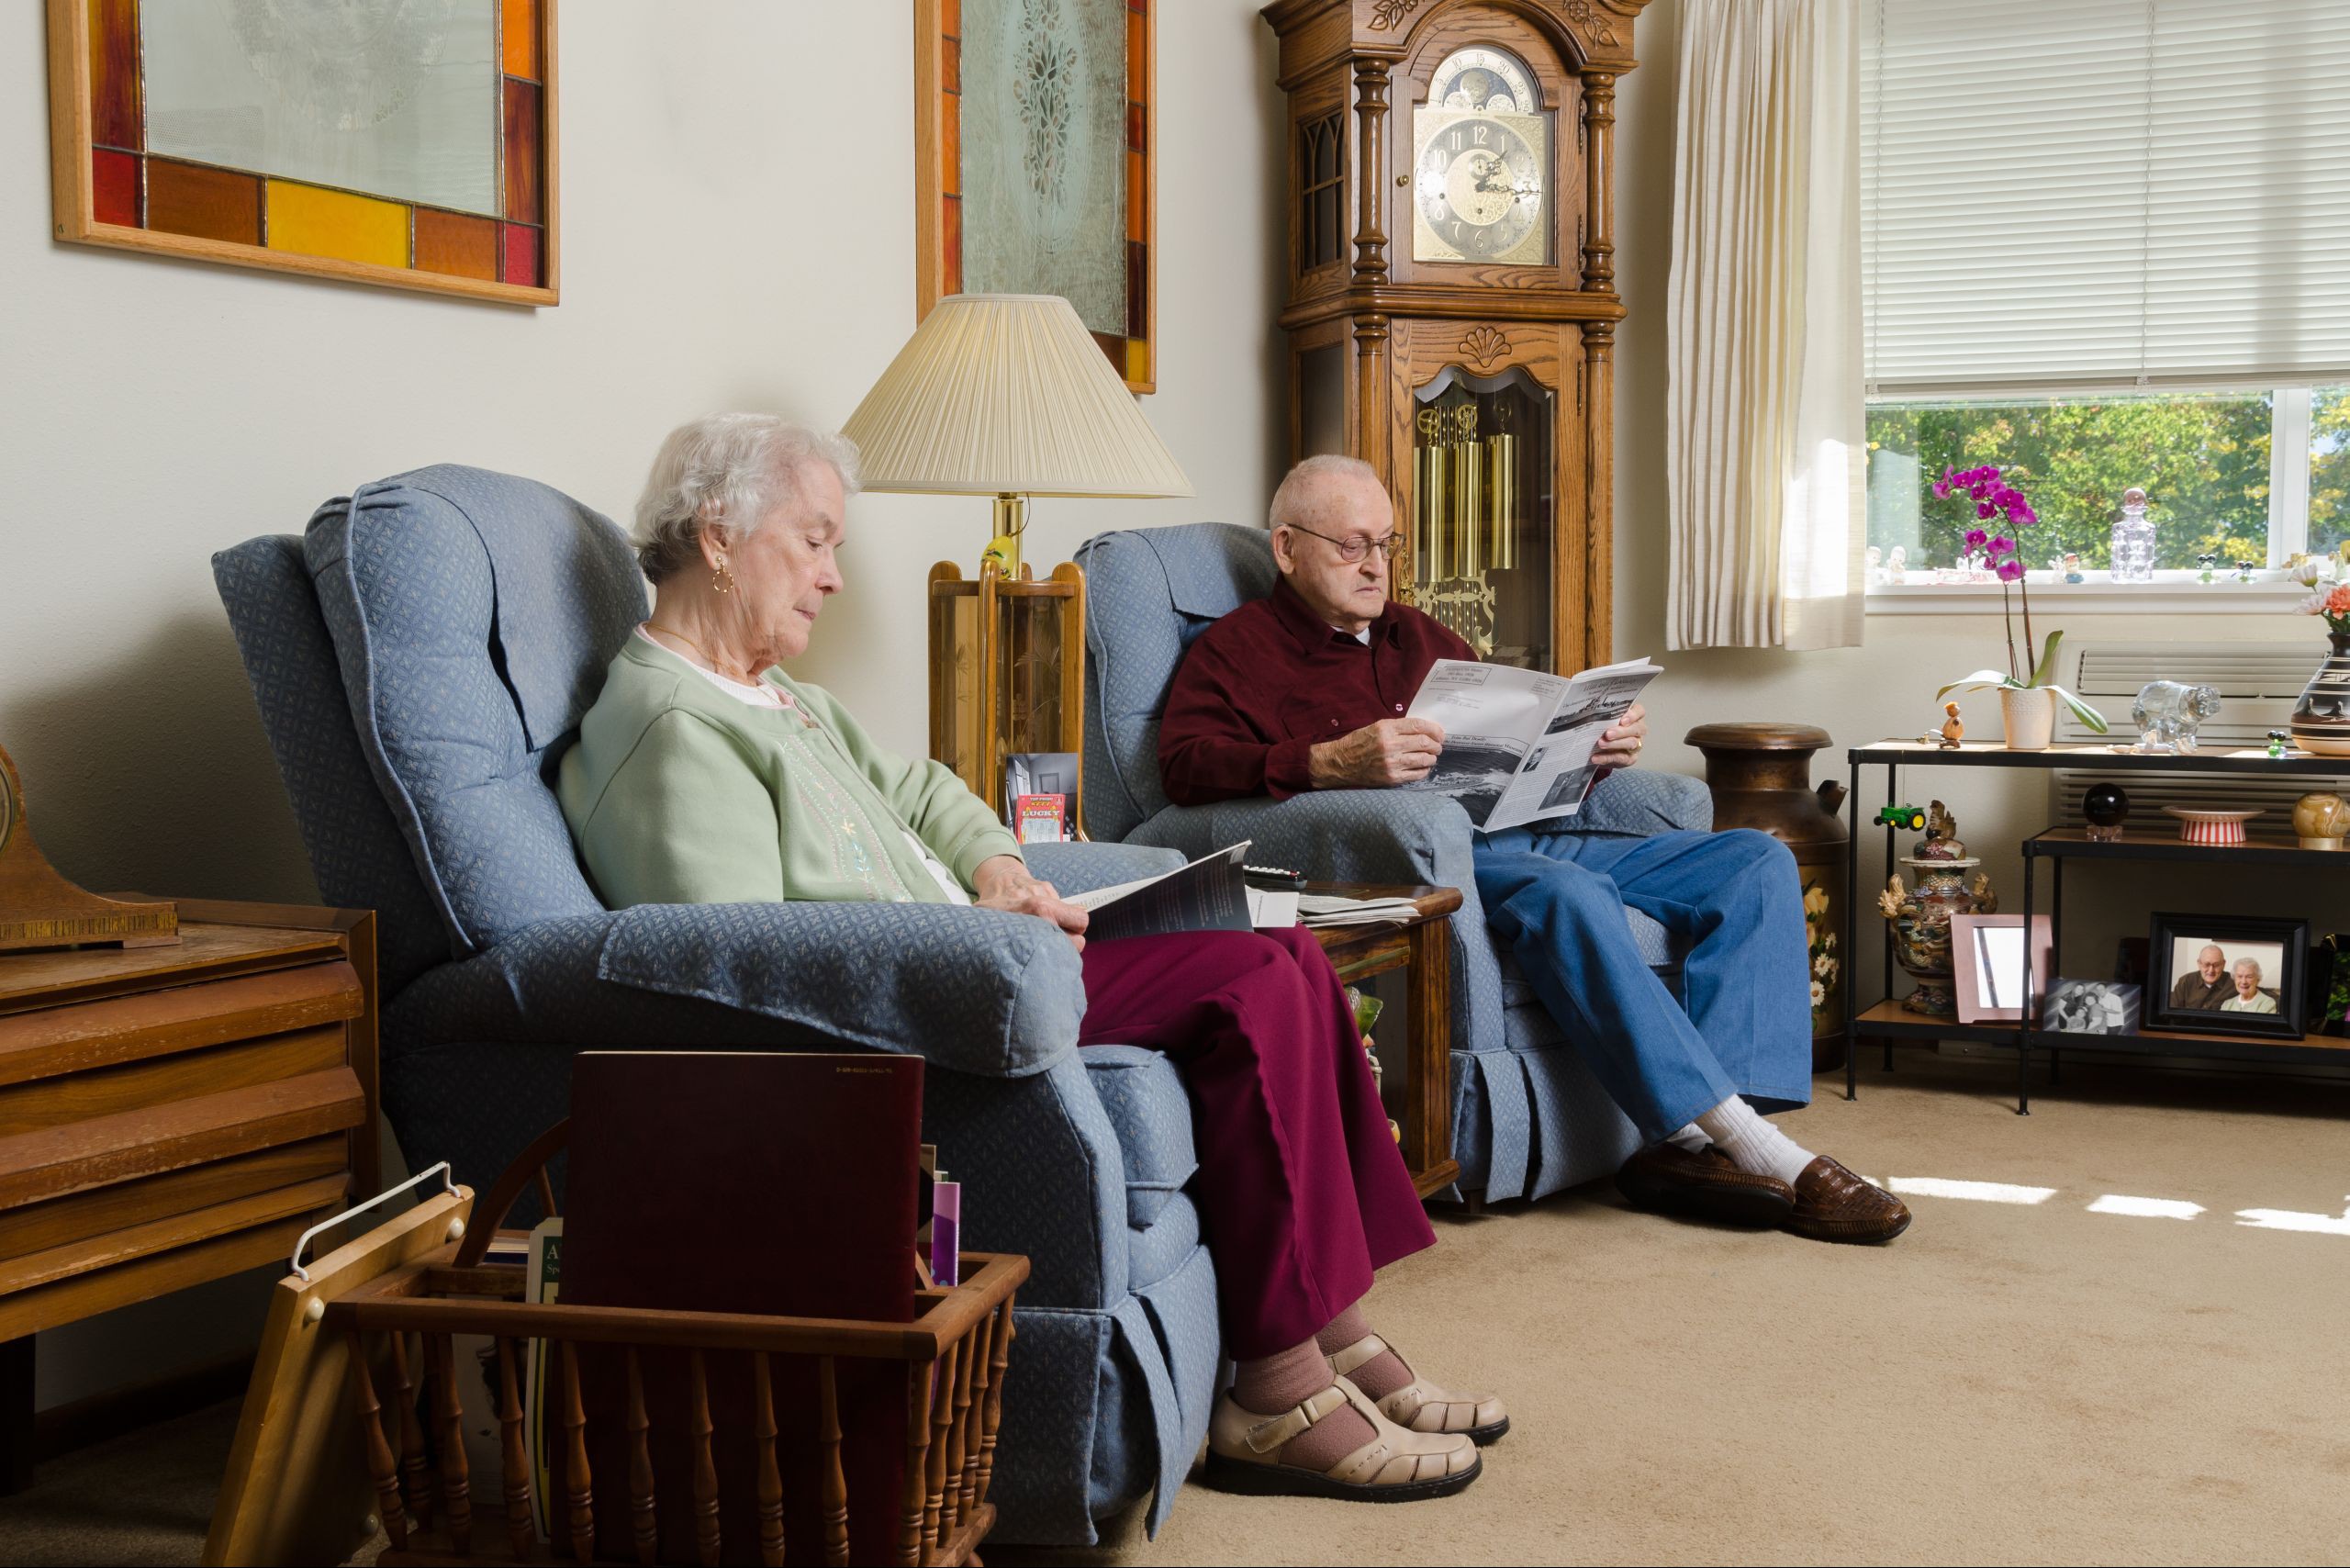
column 1517, row 742
column 1209, row 895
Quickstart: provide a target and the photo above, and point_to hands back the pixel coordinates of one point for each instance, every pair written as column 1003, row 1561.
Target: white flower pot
column 2030, row 715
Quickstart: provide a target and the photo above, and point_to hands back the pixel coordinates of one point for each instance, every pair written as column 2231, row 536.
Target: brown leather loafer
column 1707, row 1185
column 1833, row 1205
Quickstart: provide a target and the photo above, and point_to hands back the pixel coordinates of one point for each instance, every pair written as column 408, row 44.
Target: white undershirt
column 760, row 694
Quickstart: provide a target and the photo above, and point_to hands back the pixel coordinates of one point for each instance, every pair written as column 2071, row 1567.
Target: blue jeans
column 1558, row 899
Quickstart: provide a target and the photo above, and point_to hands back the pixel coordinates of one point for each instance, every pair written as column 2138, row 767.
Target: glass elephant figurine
column 2169, row 713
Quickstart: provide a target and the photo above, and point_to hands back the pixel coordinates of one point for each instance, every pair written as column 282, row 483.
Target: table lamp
column 1007, row 394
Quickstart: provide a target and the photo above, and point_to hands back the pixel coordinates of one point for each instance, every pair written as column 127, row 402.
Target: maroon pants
column 1301, row 1187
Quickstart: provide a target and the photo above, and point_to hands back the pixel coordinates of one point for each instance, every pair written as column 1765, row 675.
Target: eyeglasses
column 1355, row 549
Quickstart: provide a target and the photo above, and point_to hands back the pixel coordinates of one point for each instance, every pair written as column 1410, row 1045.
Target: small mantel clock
column 1452, row 305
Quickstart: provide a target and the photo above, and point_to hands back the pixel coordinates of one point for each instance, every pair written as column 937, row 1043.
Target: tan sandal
column 1422, row 1406
column 1395, row 1466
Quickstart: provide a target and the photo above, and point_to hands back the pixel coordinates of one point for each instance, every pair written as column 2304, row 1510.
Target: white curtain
column 1766, row 452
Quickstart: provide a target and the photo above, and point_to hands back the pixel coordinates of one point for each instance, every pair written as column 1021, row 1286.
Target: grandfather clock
column 1452, row 306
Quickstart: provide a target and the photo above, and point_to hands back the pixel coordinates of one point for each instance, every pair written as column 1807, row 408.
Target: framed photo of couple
column 2228, row 975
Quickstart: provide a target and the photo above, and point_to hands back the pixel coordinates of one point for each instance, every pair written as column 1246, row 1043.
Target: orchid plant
column 2002, row 507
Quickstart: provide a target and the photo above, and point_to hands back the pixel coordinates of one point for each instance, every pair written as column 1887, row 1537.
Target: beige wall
column 738, row 233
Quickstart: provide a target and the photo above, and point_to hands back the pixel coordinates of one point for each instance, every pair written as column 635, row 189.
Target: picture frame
column 156, row 146
column 2091, row 1007
column 964, row 103
column 2186, row 991
column 1987, row 957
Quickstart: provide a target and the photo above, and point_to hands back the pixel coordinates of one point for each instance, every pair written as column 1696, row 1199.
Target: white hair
column 729, row 468
column 2251, row 964
column 1303, row 487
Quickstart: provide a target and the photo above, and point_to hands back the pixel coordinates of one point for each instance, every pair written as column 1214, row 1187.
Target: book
column 1209, row 895
column 542, row 1283
column 745, row 1181
column 1518, row 743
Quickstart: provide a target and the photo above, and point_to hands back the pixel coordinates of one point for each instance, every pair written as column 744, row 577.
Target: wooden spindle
column 705, row 1463
column 770, row 1469
column 993, row 1414
column 519, row 1531
column 579, row 1484
column 910, row 1542
column 942, row 1411
column 832, row 1481
column 382, row 1468
column 962, row 1448
column 448, row 1431
column 416, row 1475
column 643, row 1524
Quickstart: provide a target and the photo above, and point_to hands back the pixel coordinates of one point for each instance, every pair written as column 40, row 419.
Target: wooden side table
column 172, row 1114
column 1423, row 945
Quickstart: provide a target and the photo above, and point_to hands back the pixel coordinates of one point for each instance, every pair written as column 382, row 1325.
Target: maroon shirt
column 1272, row 680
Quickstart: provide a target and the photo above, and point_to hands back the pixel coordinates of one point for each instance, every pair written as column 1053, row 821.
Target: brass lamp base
column 1011, row 522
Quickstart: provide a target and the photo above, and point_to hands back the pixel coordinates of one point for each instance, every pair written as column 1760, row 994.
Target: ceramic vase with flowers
column 2321, row 718
column 2028, row 690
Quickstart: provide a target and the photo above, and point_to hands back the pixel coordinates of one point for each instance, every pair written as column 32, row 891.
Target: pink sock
column 1273, row 1383
column 1377, row 1377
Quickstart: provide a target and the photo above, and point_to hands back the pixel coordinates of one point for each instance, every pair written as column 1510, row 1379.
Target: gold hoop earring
column 722, row 580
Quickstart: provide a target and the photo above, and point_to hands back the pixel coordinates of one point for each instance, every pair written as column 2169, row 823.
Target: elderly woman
column 706, row 774
column 2249, row 997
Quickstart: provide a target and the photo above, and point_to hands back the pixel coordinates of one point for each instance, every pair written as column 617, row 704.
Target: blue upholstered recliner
column 421, row 658
column 1527, row 1117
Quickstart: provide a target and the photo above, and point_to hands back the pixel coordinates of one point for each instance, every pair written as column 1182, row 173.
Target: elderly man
column 2208, row 986
column 1308, row 690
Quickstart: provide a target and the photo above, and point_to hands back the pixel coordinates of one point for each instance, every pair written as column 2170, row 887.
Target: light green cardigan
column 678, row 793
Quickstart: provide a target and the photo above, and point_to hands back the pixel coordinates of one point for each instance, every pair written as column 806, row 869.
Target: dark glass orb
column 2105, row 805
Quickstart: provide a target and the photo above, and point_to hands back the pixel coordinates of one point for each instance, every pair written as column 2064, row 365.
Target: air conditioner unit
column 2258, row 683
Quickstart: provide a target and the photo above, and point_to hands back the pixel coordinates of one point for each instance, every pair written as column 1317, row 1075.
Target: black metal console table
column 1889, row 1020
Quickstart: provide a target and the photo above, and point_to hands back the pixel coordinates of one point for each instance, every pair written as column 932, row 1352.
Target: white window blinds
column 2102, row 192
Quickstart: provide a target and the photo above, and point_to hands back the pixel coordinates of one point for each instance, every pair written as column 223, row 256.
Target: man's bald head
column 1324, row 507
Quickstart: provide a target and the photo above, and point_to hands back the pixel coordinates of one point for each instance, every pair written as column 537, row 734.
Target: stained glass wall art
column 1032, row 137
column 410, row 142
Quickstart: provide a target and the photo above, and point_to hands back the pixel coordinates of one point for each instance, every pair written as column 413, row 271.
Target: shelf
column 1892, row 1020
column 2259, row 849
column 1988, row 754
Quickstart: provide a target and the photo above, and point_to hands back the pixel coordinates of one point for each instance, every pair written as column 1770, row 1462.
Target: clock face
column 1479, row 187
column 1491, row 79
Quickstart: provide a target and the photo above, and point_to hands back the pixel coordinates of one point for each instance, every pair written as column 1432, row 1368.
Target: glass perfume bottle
column 2133, row 540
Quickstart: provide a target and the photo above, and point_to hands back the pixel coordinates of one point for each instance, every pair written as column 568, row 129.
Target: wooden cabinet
column 171, row 1114
column 1452, row 304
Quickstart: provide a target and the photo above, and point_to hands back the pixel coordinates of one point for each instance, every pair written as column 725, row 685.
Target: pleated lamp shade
column 1006, row 394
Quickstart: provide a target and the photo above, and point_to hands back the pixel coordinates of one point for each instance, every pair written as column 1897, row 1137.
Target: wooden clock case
column 1373, row 334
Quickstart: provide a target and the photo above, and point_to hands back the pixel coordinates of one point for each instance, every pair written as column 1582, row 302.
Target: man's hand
column 1003, row 882
column 1392, row 751
column 1620, row 747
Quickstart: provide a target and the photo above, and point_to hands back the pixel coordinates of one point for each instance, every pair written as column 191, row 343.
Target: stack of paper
column 1332, row 908
column 1270, row 911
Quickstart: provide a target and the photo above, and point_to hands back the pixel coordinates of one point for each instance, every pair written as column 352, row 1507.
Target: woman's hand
column 1621, row 746
column 1003, row 882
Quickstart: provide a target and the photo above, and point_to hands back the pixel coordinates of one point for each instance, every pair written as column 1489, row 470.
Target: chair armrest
column 1082, row 867
column 975, row 990
column 1641, row 803
column 1356, row 836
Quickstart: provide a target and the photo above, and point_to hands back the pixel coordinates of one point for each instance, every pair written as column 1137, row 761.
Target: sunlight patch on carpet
column 1971, row 1192
column 2145, row 1208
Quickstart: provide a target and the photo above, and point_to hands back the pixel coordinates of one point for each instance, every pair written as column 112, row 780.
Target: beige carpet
column 2011, row 1382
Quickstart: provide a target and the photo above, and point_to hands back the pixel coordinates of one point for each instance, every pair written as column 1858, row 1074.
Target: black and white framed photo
column 2227, row 974
column 2091, row 1007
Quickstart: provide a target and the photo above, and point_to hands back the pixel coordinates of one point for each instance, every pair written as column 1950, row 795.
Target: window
column 2102, row 247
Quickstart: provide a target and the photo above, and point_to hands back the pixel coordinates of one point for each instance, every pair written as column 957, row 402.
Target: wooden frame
column 939, row 151
column 74, row 182
column 983, row 631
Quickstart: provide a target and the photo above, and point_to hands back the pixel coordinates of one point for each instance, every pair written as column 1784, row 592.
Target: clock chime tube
column 1434, row 504
column 1501, row 492
column 1468, row 521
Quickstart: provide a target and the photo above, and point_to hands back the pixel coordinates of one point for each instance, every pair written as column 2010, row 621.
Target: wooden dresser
column 172, row 1114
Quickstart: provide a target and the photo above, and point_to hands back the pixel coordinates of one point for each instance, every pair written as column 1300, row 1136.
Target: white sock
column 1753, row 1144
column 1691, row 1139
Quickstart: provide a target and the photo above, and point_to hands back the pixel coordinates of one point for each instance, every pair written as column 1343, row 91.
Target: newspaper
column 1517, row 742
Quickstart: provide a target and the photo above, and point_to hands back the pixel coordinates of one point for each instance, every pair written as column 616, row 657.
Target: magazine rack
column 403, row 1323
